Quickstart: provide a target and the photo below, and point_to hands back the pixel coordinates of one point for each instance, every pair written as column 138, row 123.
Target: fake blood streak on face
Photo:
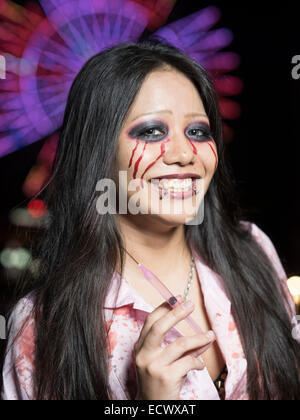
column 162, row 151
column 136, row 165
column 133, row 152
column 213, row 150
column 193, row 146
column 195, row 150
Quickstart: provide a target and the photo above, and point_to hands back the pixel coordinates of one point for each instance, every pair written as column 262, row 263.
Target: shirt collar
column 125, row 296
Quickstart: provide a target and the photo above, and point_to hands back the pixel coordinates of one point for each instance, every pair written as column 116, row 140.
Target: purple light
column 62, row 43
column 6, row 146
column 222, row 62
column 34, row 94
column 192, row 31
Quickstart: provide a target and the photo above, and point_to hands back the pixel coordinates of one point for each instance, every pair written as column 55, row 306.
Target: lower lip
column 181, row 195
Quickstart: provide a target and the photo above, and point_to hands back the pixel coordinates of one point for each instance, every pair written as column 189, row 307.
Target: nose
column 178, row 150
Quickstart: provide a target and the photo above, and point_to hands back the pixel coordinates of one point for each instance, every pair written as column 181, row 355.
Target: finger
column 200, row 351
column 154, row 316
column 159, row 328
column 183, row 346
column 185, row 364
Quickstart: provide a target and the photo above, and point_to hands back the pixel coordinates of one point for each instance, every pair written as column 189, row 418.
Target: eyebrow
column 190, row 114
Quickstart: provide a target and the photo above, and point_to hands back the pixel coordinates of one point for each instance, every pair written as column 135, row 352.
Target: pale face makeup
column 167, row 132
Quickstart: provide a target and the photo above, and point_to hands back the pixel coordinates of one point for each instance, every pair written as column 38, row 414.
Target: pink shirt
column 126, row 320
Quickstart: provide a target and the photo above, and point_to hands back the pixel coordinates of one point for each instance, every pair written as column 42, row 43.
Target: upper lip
column 179, row 176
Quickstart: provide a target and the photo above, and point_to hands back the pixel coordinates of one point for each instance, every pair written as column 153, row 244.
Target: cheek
column 207, row 152
column 124, row 153
column 213, row 147
column 193, row 146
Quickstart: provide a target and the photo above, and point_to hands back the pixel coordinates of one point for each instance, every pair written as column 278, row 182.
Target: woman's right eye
column 154, row 133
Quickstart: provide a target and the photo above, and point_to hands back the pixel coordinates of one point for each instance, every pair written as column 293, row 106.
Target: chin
column 174, row 220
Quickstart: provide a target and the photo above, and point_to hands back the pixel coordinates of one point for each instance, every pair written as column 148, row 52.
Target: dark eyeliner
column 139, row 131
column 199, row 126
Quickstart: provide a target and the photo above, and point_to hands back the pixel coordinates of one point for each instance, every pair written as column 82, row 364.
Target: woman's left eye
column 194, row 131
column 199, row 133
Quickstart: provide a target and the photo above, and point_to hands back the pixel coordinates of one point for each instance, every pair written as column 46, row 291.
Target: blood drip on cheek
column 196, row 152
column 133, row 152
column 136, row 165
column 213, row 150
column 162, row 151
column 194, row 147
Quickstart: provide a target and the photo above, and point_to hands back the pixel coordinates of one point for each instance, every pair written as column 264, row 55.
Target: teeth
column 176, row 184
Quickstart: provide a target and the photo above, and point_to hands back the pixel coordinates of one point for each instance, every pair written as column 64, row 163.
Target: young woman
column 91, row 326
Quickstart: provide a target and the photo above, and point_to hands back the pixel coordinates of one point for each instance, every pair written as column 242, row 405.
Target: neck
column 152, row 243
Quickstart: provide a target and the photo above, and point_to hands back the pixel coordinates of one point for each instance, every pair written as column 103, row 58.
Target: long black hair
column 79, row 248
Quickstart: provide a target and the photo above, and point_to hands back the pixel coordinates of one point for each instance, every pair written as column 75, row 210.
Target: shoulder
column 19, row 358
column 267, row 246
column 21, row 312
column 256, row 232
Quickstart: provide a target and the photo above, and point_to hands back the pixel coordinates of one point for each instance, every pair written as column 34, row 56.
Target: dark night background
column 265, row 150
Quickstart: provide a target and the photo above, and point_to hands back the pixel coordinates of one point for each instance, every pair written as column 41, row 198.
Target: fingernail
column 210, row 335
column 188, row 305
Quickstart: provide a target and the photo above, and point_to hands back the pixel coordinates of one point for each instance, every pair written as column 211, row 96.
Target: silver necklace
column 190, row 276
column 190, row 279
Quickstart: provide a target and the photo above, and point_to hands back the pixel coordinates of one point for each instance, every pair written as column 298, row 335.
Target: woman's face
column 165, row 149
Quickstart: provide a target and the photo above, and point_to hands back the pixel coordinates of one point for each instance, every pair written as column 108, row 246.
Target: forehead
column 167, row 89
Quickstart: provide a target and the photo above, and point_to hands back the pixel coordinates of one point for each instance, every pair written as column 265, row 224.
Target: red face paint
column 136, row 165
column 193, row 146
column 162, row 151
column 191, row 142
column 213, row 150
column 133, row 152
